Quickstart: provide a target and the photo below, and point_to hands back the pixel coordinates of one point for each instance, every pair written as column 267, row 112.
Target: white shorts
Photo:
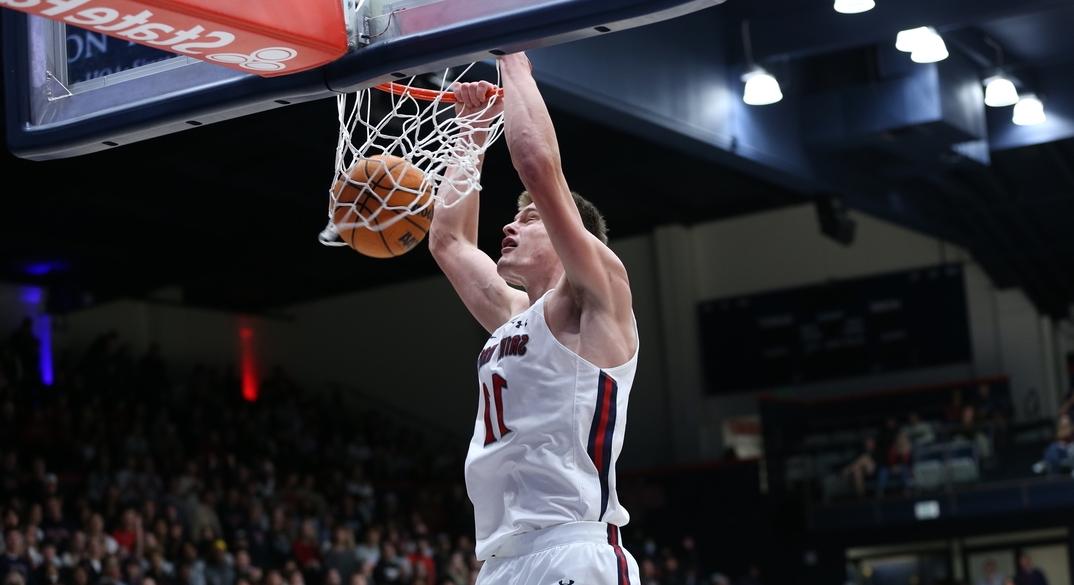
column 577, row 553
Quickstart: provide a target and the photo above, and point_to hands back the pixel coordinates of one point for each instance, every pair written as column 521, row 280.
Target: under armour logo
column 518, row 325
column 566, row 582
column 268, row 59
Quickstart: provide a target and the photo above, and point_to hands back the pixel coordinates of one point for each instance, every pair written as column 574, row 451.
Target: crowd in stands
column 1059, row 455
column 125, row 472
column 958, row 434
column 1026, row 573
column 885, row 461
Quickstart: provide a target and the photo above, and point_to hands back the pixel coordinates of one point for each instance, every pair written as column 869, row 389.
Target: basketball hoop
column 418, row 125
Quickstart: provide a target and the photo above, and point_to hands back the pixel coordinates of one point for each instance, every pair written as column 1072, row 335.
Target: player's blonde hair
column 591, row 217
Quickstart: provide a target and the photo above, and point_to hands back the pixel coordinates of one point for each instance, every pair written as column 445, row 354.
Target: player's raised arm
column 453, row 234
column 595, row 275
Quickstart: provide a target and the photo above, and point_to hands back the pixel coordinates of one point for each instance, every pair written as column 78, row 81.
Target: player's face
column 526, row 249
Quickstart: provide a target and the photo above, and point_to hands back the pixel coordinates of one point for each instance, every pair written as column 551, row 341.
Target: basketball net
column 419, row 126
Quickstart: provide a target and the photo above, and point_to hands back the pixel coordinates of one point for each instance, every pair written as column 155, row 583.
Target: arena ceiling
column 229, row 212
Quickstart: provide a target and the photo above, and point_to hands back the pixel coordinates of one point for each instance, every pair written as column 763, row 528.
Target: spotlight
column 1000, row 92
column 854, row 6
column 908, row 40
column 930, row 48
column 1029, row 111
column 761, row 88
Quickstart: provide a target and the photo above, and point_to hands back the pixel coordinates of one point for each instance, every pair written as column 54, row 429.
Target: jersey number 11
column 499, row 384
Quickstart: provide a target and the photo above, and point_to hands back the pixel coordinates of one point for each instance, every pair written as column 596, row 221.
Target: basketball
column 388, row 182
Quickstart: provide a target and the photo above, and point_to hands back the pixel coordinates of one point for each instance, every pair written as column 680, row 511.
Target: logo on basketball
column 267, row 59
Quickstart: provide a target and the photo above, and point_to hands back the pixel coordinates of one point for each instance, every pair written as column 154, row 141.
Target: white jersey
column 549, row 429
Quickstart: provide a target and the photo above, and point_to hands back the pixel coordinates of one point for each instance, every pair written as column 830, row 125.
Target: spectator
column 219, row 569
column 920, row 432
column 886, row 439
column 1059, row 455
column 245, row 569
column 76, row 550
column 14, row 559
column 863, row 466
column 48, row 570
column 369, row 551
column 31, row 540
column 129, row 534
column 55, row 526
column 342, row 557
column 306, row 550
column 650, row 573
column 133, row 573
column 970, row 431
column 95, row 533
column 420, row 558
column 896, row 471
column 14, row 578
column 160, row 569
column 111, row 574
column 94, row 559
column 990, row 574
column 1028, row 574
column 48, row 574
column 392, row 568
column 456, row 573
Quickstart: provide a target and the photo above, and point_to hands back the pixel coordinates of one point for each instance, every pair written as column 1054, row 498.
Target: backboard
column 70, row 91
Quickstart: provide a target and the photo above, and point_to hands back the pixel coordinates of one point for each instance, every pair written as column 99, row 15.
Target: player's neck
column 537, row 286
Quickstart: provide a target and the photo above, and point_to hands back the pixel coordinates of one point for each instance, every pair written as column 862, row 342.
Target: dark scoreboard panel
column 839, row 329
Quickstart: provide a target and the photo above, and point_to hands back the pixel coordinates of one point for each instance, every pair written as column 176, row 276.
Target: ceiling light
column 854, row 6
column 1000, row 92
column 761, row 88
column 1029, row 111
column 908, row 40
column 930, row 48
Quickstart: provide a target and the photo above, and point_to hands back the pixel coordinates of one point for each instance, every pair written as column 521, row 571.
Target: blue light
column 31, row 295
column 43, row 332
column 33, row 299
column 46, row 267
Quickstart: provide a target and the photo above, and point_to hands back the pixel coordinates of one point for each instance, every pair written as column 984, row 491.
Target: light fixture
column 761, row 88
column 930, row 48
column 999, row 89
column 910, row 39
column 1029, row 111
column 854, row 6
column 1000, row 92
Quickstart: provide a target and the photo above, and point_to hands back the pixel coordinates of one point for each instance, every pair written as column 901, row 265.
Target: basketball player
column 555, row 374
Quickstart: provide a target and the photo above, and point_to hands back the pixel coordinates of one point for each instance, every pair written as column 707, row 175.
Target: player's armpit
column 473, row 275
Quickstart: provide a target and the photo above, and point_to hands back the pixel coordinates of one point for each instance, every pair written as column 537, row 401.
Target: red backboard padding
column 265, row 37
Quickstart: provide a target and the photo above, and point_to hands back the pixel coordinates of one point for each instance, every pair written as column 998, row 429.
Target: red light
column 250, row 388
column 249, row 385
